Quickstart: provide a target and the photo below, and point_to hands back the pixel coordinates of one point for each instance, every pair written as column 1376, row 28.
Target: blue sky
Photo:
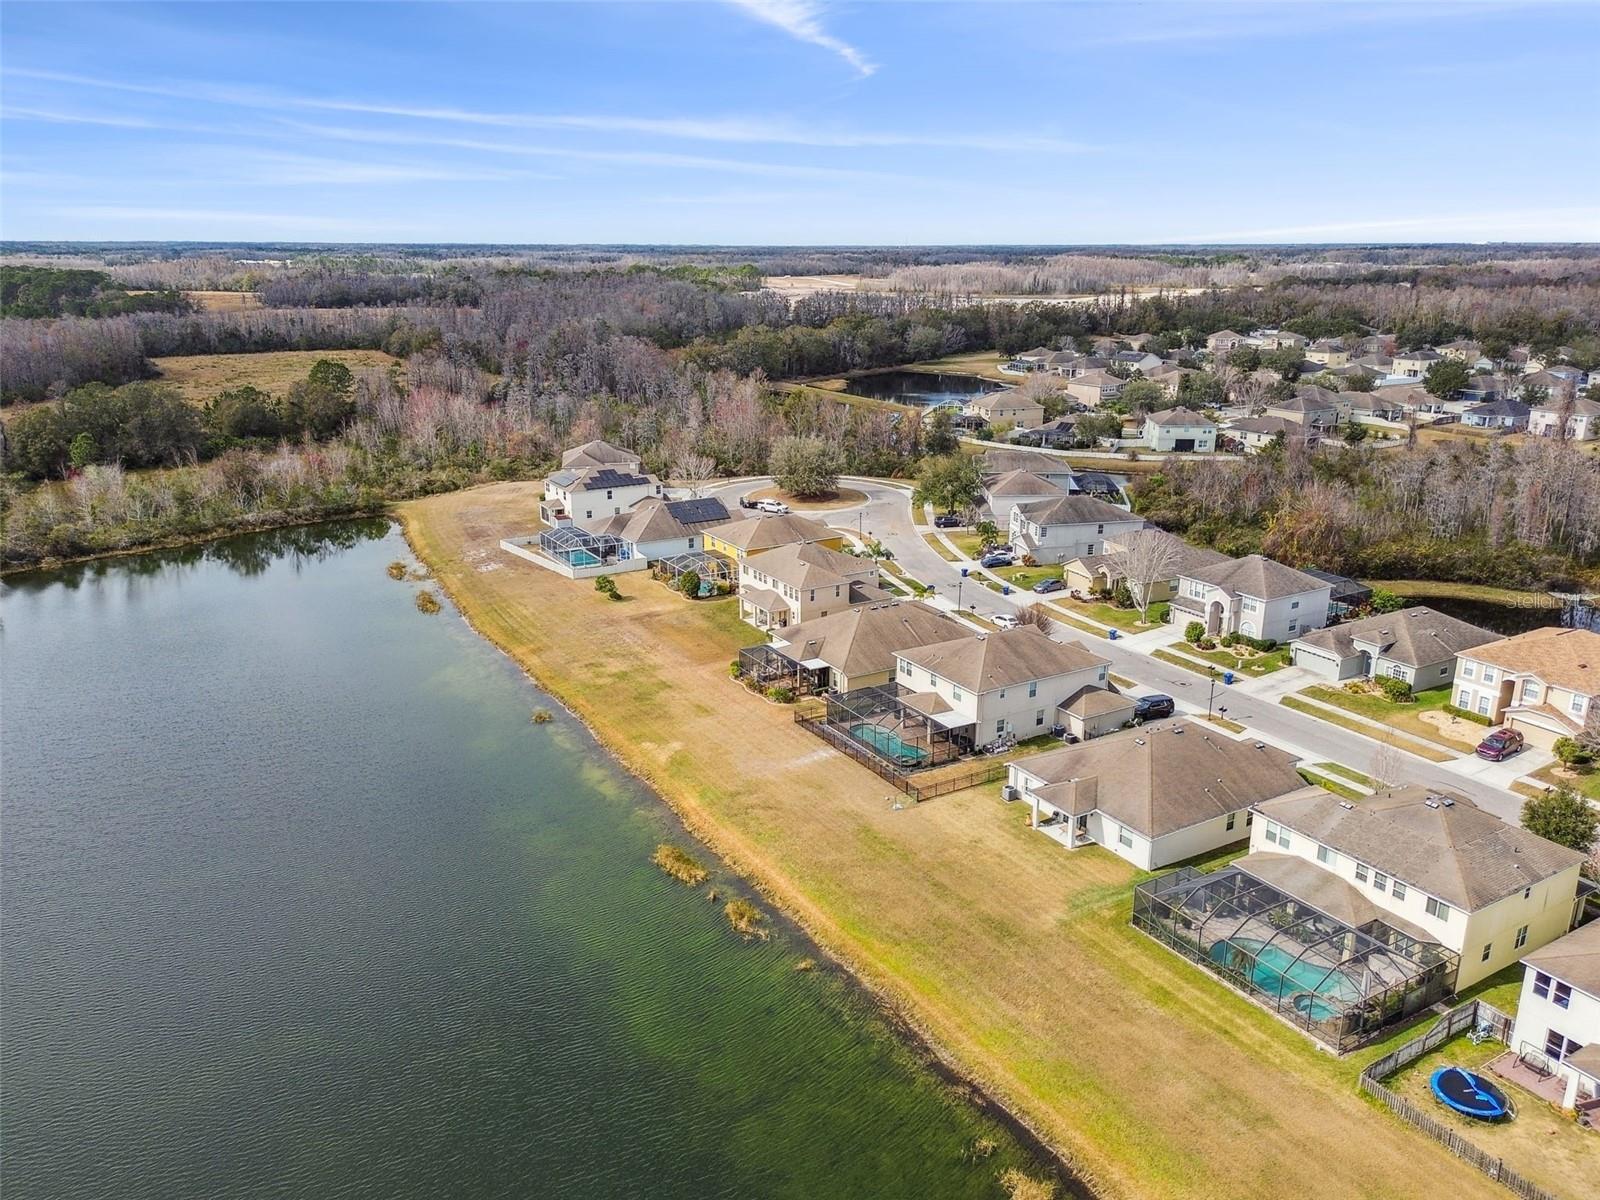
column 799, row 122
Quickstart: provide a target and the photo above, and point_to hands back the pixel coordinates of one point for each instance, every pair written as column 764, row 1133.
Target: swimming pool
column 1277, row 973
column 582, row 558
column 888, row 743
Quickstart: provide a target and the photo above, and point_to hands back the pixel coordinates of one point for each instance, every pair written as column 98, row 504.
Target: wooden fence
column 1469, row 1016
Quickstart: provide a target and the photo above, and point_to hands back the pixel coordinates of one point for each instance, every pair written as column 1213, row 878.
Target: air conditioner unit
column 1009, row 793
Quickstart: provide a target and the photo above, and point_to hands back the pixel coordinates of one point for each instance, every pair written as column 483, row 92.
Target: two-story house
column 1414, row 364
column 1310, row 405
column 1094, row 388
column 984, row 686
column 1224, row 340
column 1004, row 493
column 1068, row 527
column 1255, row 596
column 595, row 454
column 797, row 583
column 1180, row 430
column 1582, row 416
column 758, row 533
column 1328, row 352
column 1441, row 867
column 1558, row 1014
column 1417, row 645
column 1154, row 795
column 588, row 497
column 1006, row 409
column 1542, row 683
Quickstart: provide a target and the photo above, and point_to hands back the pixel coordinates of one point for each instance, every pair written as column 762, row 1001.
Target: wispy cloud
column 1556, row 224
column 801, row 20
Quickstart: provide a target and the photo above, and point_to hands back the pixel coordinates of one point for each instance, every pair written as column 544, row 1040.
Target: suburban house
column 1543, row 683
column 1180, row 429
column 852, row 649
column 1583, row 419
column 655, row 528
column 1328, row 352
column 1278, row 339
column 1370, row 406
column 803, row 581
column 1308, row 406
column 1347, row 594
column 742, row 537
column 590, row 496
column 983, row 686
column 1437, row 866
column 1256, row 434
column 1558, row 1014
column 1481, row 388
column 1497, row 414
column 1006, row 409
column 1417, row 645
column 1462, row 350
column 1223, row 341
column 1169, row 377
column 1004, row 493
column 1414, row 364
column 1136, row 360
column 1254, row 596
column 592, row 455
column 1154, row 795
column 1093, row 388
column 1033, row 359
column 1107, row 569
column 1063, row 431
column 1052, row 468
column 1053, row 531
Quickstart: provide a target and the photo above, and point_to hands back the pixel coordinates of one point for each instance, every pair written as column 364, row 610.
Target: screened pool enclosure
column 1342, row 984
column 579, row 548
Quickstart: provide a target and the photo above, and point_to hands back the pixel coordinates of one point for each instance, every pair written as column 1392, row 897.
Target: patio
column 1531, row 1076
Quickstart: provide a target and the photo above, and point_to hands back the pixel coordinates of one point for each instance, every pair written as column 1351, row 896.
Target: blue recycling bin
column 963, row 572
column 1113, row 634
column 1227, row 677
column 1005, row 589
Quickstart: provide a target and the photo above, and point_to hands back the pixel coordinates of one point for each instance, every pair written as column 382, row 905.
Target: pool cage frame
column 1396, row 975
column 702, row 562
column 565, row 542
column 883, row 706
column 767, row 666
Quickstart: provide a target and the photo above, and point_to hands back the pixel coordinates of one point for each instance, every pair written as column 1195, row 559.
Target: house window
column 905, row 669
column 1098, row 529
column 1561, row 995
column 1398, row 890
column 1557, row 1046
column 1438, row 908
column 1291, row 626
column 1530, row 691
column 1576, row 707
column 1038, row 716
column 1294, row 604
column 1380, row 881
column 1033, row 689
column 1541, row 985
column 1488, row 674
column 1249, row 819
column 1124, row 837
column 1483, row 706
column 933, row 680
column 1000, row 727
column 1277, row 834
column 1327, row 857
column 1249, row 605
column 955, row 693
column 1488, row 949
column 1361, row 872
column 1397, row 671
column 1466, row 670
column 1522, row 938
column 1463, row 699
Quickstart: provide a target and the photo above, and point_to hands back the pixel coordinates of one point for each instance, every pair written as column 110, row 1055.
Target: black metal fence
column 812, row 714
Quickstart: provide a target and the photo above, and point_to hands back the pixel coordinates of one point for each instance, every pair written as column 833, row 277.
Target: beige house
column 856, row 648
column 1154, row 795
column 596, row 454
column 1545, row 683
column 1328, row 352
column 1583, row 419
column 798, row 583
column 1108, row 568
column 1256, row 434
column 1414, row 364
column 1006, row 409
column 1093, row 388
column 1224, row 340
column 1438, row 867
column 1309, row 405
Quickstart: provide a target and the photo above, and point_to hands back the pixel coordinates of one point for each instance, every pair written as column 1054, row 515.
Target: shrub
column 780, row 694
column 607, row 586
column 1397, row 690
column 1232, row 639
column 1571, row 752
column 1207, row 643
column 1194, row 631
column 1564, row 817
column 734, row 669
column 1467, row 715
column 689, row 583
column 679, row 865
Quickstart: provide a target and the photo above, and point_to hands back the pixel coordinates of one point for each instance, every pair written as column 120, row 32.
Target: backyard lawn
column 1256, row 665
column 1405, row 717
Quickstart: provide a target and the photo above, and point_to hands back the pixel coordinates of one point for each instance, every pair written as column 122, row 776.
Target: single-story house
column 1063, row 431
column 1255, row 596
column 656, row 528
column 855, row 648
column 1417, row 645
column 1558, row 1014
column 1154, row 795
column 1497, row 414
column 1136, row 360
column 1180, row 429
column 1541, row 683
column 800, row 582
column 1309, row 405
column 1374, row 406
column 1053, row 531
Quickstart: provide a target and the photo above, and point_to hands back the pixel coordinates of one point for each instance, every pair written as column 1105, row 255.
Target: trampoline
column 1469, row 1094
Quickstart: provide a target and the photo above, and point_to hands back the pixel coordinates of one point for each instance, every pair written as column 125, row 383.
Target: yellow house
column 1541, row 683
column 740, row 538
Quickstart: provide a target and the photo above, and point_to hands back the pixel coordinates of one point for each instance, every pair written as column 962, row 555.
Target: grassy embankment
column 1011, row 955
column 199, row 377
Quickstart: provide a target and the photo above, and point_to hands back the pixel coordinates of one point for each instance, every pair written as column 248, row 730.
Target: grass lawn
column 1585, row 783
column 1405, row 717
column 1189, row 664
column 940, row 548
column 970, row 544
column 1422, row 589
column 1350, row 773
column 985, row 363
column 844, row 497
column 1013, row 956
column 1126, row 619
column 1503, row 989
column 1327, row 784
column 1360, row 727
column 201, row 376
column 1023, row 578
column 1255, row 666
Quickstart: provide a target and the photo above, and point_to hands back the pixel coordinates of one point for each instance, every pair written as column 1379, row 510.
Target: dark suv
column 1500, row 744
column 1150, row 708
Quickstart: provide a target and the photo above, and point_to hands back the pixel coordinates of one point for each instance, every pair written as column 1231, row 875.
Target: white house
column 1417, row 645
column 1542, row 683
column 984, row 686
column 1004, row 493
column 1440, row 866
column 1497, row 414
column 1583, row 419
column 1154, row 795
column 1254, row 596
column 1181, row 430
column 1068, row 527
column 1136, row 360
column 1558, row 1015
column 655, row 528
column 588, row 497
column 1414, row 364
column 1256, row 434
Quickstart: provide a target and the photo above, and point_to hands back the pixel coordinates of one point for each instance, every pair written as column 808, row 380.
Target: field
column 225, row 301
column 201, row 376
column 1013, row 956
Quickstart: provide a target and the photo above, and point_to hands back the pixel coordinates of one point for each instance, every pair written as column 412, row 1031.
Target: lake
column 299, row 902
column 921, row 388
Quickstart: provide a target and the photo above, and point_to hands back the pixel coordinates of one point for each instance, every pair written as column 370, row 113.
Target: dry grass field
column 201, row 376
column 225, row 301
column 1013, row 956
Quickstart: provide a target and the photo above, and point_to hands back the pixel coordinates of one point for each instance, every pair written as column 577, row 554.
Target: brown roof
column 1162, row 778
column 1416, row 637
column 811, row 566
column 1257, row 576
column 983, row 662
column 1574, row 958
column 1323, row 890
column 1562, row 657
column 1091, row 701
column 1180, row 416
column 1021, row 483
column 1097, row 378
column 1437, row 842
column 762, row 598
column 861, row 641
column 766, row 531
column 1075, row 510
column 597, row 454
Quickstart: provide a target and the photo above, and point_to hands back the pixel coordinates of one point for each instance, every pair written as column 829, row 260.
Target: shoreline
column 929, row 1053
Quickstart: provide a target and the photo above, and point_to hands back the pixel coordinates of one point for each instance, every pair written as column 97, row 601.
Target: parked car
column 1500, row 744
column 997, row 558
column 1150, row 708
column 746, row 502
column 1049, row 585
column 776, row 507
column 947, row 521
column 1006, row 621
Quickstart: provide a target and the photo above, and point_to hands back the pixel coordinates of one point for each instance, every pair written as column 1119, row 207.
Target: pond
column 299, row 902
column 921, row 388
column 1509, row 619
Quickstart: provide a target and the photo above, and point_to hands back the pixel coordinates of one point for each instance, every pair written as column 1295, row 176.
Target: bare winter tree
column 1034, row 614
column 1589, row 737
column 1387, row 763
column 695, row 470
column 1147, row 557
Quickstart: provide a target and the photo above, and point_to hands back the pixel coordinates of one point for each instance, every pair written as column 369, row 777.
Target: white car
column 776, row 507
column 1006, row 621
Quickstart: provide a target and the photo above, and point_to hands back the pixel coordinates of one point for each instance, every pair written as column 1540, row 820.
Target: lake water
column 919, row 387
column 298, row 902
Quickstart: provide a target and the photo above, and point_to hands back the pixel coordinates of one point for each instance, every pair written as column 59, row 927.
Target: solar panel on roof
column 698, row 512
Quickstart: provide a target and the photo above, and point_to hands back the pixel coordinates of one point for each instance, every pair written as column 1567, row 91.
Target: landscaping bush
column 1571, row 752
column 1193, row 631
column 780, row 694
column 1232, row 639
column 689, row 583
column 1207, row 643
column 607, row 586
column 734, row 669
column 1397, row 690
column 1465, row 715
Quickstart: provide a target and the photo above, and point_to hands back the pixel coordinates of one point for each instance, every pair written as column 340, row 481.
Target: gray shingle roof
column 983, row 662
column 1574, row 958
column 1075, row 510
column 1416, row 637
column 1257, row 576
column 598, row 454
column 1180, row 416
column 862, row 641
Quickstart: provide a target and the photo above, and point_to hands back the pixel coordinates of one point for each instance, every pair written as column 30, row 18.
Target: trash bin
column 1112, row 634
column 963, row 572
column 1005, row 589
column 1227, row 677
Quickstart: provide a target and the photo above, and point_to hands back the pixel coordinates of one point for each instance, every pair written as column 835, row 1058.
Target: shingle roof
column 1003, row 462
column 1581, row 406
column 1021, row 483
column 598, row 454
column 1179, row 416
column 861, row 641
column 1257, row 576
column 762, row 532
column 1075, row 510
column 1268, row 425
column 1323, row 890
column 1096, row 378
column 1416, row 637
column 1567, row 658
column 1091, row 701
column 1504, row 407
column 983, row 662
column 1437, row 842
column 807, row 565
column 1574, row 958
column 1163, row 778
